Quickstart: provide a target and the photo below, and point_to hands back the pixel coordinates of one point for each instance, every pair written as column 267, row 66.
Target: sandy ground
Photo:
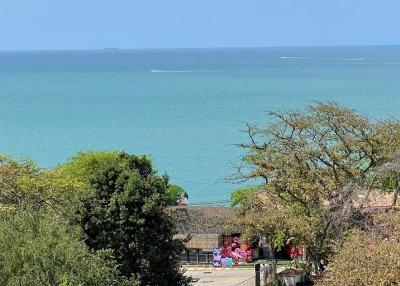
column 218, row 277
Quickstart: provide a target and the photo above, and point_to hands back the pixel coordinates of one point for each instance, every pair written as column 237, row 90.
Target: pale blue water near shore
column 184, row 107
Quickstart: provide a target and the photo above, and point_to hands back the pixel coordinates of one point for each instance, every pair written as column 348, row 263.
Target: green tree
column 38, row 249
column 388, row 177
column 174, row 193
column 265, row 217
column 23, row 185
column 258, row 218
column 316, row 163
column 124, row 212
column 84, row 164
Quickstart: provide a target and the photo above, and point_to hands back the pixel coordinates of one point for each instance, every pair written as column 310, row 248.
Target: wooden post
column 257, row 270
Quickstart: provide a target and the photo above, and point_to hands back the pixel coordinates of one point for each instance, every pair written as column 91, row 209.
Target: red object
column 293, row 252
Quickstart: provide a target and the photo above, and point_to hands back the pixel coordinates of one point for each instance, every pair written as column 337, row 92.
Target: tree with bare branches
column 389, row 177
column 316, row 163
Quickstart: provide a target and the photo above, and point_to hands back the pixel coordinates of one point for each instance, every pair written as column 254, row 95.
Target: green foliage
column 116, row 199
column 38, row 249
column 174, row 193
column 124, row 212
column 25, row 186
column 84, row 164
column 279, row 240
column 388, row 176
column 239, row 195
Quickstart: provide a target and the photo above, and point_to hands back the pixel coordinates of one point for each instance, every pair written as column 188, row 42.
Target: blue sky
column 90, row 24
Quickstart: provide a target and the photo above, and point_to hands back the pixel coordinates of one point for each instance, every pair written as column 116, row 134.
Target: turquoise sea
column 184, row 107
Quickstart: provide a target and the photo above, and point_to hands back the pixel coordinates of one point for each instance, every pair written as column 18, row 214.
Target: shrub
column 39, row 249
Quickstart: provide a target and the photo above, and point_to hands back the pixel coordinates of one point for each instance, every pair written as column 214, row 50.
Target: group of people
column 233, row 253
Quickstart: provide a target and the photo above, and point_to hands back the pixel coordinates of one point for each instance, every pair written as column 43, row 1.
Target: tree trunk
column 395, row 196
column 316, row 268
column 271, row 278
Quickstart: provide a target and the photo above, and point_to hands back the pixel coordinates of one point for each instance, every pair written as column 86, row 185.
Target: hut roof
column 201, row 219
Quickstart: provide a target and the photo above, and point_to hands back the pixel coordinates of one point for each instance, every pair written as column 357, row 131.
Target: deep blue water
column 184, row 107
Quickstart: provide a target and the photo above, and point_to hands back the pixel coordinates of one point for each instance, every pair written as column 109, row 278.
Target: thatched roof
column 374, row 200
column 201, row 219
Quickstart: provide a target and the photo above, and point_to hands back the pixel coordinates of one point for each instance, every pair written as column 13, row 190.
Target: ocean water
column 183, row 107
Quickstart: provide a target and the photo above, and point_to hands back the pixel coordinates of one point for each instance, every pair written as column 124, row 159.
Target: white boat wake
column 169, row 71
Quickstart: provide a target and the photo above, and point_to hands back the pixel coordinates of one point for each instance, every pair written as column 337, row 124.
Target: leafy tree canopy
column 124, row 212
column 38, row 249
column 84, row 164
column 23, row 185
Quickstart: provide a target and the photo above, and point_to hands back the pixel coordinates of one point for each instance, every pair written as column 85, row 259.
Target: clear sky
column 90, row 24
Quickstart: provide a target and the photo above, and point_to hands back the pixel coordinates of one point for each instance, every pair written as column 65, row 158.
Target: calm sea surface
column 183, row 107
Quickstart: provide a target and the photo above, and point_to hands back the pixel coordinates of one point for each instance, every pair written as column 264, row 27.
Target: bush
column 361, row 264
column 38, row 249
column 370, row 257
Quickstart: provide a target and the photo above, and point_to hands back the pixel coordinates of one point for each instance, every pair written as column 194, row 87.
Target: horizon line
column 110, row 49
